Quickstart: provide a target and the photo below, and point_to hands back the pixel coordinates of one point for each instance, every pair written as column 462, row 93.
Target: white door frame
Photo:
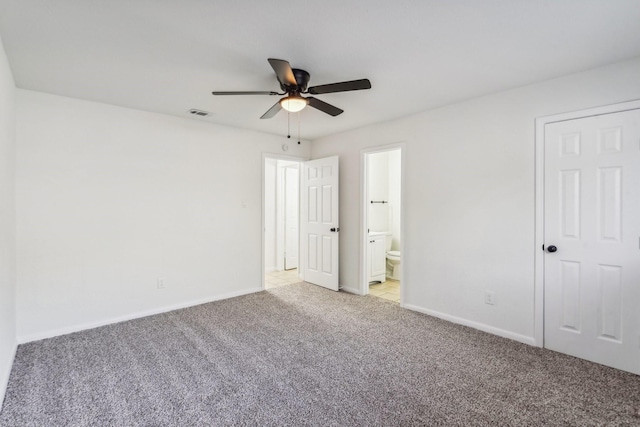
column 363, row 288
column 266, row 156
column 541, row 122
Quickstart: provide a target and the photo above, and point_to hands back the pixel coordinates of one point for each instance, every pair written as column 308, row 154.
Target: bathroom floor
column 388, row 290
column 275, row 279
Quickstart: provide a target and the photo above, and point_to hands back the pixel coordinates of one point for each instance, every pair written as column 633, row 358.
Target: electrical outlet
column 160, row 283
column 489, row 297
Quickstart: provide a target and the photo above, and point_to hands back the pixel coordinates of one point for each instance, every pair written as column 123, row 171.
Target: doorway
column 300, row 221
column 281, row 221
column 588, row 258
column 382, row 225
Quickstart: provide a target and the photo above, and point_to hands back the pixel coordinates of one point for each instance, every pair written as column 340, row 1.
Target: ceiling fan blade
column 284, row 72
column 341, row 87
column 247, row 93
column 272, row 111
column 324, row 107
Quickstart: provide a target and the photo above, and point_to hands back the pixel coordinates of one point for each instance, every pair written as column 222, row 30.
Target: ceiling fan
column 293, row 82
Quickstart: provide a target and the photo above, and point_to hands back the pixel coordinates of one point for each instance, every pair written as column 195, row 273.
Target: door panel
column 592, row 211
column 318, row 216
column 570, row 284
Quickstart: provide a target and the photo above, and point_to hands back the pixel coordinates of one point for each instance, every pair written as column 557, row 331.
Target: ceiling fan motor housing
column 302, row 78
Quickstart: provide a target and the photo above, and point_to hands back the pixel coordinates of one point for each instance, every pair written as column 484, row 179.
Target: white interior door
column 319, row 222
column 291, row 209
column 592, row 220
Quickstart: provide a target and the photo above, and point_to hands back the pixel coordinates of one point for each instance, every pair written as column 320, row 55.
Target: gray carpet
column 301, row 355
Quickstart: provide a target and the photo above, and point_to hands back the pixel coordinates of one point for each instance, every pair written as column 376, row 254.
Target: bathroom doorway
column 382, row 228
column 281, row 207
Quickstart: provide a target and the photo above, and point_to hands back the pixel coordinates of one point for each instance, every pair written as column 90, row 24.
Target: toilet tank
column 388, row 239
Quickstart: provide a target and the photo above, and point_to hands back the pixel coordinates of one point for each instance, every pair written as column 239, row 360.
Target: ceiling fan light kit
column 293, row 82
column 293, row 103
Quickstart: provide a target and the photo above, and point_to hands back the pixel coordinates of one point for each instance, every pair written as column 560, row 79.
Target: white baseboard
column 77, row 328
column 4, row 375
column 475, row 325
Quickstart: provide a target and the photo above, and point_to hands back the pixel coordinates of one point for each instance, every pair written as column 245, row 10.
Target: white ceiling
column 167, row 56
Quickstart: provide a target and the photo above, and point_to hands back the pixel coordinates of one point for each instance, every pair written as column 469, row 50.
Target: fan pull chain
column 288, row 125
column 298, row 128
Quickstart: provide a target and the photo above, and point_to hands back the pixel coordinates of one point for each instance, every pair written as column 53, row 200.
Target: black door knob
column 551, row 248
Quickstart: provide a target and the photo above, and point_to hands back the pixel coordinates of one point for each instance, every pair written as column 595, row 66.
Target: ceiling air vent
column 199, row 113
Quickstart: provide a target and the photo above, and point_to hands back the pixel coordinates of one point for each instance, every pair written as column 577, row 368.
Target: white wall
column 110, row 200
column 469, row 191
column 7, row 222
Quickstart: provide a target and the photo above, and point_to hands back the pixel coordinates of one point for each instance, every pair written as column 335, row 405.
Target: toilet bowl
column 393, row 265
column 393, row 260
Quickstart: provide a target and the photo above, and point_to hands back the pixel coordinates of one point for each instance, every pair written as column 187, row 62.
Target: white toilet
column 393, row 260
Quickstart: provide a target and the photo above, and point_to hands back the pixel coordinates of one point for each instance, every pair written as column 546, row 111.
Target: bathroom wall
column 378, row 172
column 110, row 200
column 7, row 222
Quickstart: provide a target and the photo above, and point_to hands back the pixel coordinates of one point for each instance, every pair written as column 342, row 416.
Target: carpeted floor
column 301, row 355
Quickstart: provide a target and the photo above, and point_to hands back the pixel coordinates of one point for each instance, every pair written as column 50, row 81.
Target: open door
column 319, row 224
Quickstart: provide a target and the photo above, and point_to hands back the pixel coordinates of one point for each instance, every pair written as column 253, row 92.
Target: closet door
column 592, row 238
